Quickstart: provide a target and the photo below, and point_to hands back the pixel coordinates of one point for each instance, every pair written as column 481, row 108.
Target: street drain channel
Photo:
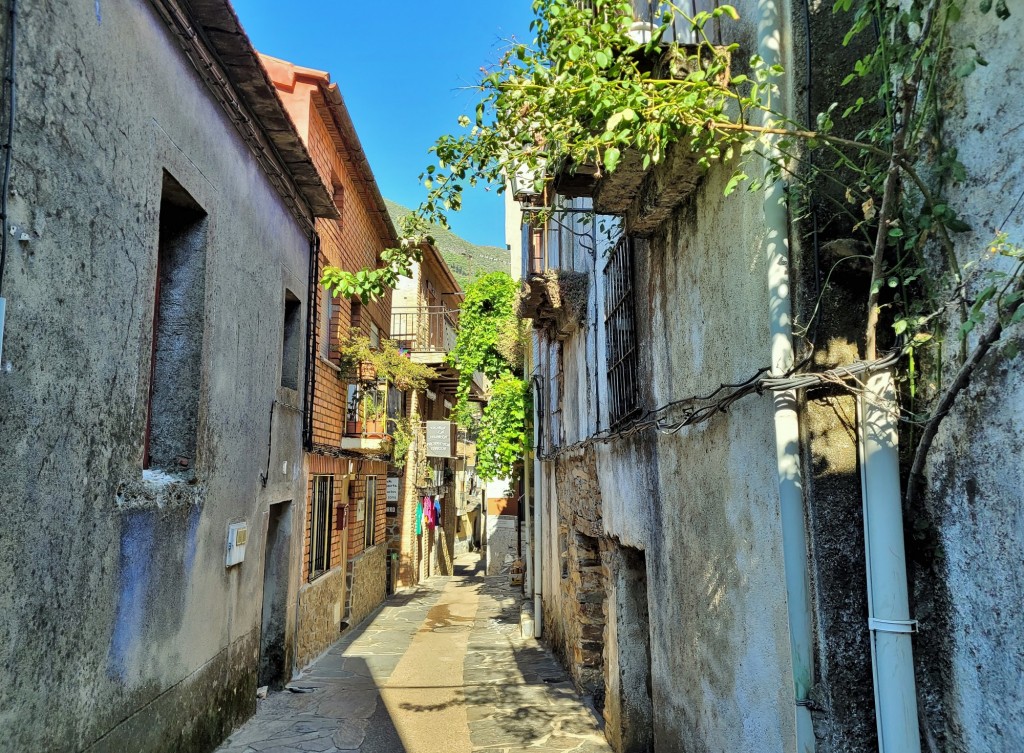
column 452, row 629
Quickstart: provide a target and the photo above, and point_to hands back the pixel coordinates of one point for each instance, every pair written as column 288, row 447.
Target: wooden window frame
column 321, row 525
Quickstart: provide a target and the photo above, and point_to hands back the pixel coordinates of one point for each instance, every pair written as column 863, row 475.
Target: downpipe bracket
column 892, row 626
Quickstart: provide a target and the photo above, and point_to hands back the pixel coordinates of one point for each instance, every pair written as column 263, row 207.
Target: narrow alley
column 441, row 667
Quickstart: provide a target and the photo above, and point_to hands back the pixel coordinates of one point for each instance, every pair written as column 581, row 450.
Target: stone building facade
column 151, row 390
column 424, row 321
column 344, row 534
column 701, row 647
column 576, row 626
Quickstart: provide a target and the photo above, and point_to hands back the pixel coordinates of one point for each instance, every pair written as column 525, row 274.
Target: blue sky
column 402, row 68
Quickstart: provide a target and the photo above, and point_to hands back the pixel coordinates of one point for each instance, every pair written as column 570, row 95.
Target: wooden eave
column 213, row 40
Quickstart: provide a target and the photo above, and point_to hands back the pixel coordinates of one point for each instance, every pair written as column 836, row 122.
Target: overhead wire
column 700, row 408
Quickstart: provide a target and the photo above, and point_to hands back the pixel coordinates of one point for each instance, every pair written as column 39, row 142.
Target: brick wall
column 351, row 243
column 319, row 465
column 357, row 493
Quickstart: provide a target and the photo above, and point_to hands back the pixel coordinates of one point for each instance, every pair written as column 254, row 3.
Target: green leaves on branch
column 387, row 363
column 502, row 441
column 586, row 92
column 487, row 322
column 370, row 284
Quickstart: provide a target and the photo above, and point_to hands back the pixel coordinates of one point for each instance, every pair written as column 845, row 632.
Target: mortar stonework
column 579, row 634
column 321, row 612
column 366, row 582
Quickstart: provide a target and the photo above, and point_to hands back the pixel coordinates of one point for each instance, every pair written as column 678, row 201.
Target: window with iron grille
column 620, row 335
column 370, row 517
column 327, row 323
column 320, row 526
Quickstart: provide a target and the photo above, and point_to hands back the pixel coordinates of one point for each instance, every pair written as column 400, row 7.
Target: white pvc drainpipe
column 787, row 427
column 528, row 539
column 539, row 492
column 892, row 652
column 527, row 553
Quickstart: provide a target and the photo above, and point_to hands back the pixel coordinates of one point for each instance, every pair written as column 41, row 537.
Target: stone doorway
column 273, row 670
column 628, row 712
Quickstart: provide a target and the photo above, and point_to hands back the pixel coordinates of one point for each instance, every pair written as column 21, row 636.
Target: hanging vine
column 588, row 92
column 502, row 441
column 384, row 362
column 491, row 341
column 488, row 329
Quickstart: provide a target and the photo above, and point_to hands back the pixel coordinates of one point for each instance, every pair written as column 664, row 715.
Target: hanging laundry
column 419, row 517
column 437, row 510
column 431, row 513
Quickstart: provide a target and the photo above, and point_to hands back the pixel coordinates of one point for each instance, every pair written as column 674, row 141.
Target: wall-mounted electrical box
column 238, row 533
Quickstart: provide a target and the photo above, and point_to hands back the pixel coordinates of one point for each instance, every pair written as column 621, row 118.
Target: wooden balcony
column 427, row 332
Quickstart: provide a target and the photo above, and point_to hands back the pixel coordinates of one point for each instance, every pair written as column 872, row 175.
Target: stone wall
column 121, row 628
column 628, row 712
column 500, row 544
column 967, row 532
column 366, row 582
column 578, row 635
column 321, row 610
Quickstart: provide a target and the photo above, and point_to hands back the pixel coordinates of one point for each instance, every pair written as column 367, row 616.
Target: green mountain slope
column 467, row 260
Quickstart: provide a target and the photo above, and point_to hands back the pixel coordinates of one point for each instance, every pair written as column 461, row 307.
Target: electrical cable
column 9, row 85
column 698, row 408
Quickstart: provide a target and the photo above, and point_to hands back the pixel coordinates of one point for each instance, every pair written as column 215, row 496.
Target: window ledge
column 329, row 364
column 158, row 489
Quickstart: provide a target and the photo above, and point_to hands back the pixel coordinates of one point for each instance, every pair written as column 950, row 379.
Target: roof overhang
column 212, row 38
column 332, row 108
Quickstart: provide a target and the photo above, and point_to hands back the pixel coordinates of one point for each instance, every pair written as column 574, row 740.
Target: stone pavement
column 438, row 669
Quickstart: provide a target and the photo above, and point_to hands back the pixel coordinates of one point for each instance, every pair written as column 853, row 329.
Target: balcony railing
column 366, row 415
column 425, row 329
column 648, row 15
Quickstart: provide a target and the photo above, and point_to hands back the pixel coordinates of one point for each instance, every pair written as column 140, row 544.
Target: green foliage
column 490, row 339
column 386, row 362
column 401, row 430
column 486, row 315
column 998, row 290
column 582, row 94
column 502, row 440
column 586, row 93
column 466, row 260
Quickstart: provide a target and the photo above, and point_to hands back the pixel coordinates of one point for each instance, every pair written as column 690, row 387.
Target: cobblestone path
column 439, row 669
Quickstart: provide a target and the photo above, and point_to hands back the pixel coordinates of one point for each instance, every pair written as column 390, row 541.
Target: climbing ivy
column 485, row 318
column 490, row 341
column 502, row 441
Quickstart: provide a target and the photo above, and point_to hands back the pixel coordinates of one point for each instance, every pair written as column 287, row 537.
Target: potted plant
column 373, row 412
